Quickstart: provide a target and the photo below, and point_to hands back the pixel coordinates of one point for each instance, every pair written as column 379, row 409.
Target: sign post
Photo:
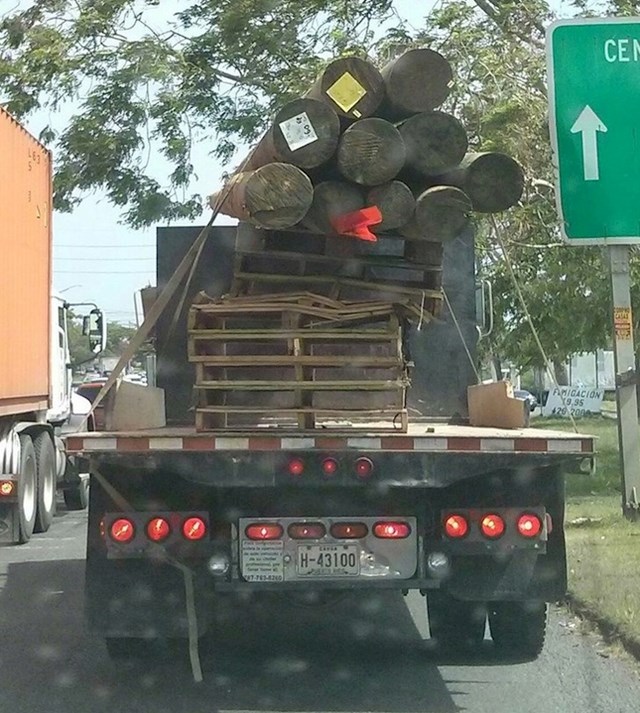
column 594, row 105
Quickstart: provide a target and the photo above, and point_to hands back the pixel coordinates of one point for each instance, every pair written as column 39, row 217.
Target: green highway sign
column 594, row 104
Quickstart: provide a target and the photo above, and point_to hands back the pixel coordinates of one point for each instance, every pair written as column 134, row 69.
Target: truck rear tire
column 518, row 629
column 454, row 624
column 46, row 482
column 27, row 489
column 77, row 497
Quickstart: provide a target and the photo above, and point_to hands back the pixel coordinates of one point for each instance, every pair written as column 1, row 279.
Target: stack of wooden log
column 351, row 194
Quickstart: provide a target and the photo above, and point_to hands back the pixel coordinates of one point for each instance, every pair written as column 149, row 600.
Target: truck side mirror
column 94, row 326
column 484, row 309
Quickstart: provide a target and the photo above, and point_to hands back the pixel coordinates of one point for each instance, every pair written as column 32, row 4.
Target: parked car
column 527, row 396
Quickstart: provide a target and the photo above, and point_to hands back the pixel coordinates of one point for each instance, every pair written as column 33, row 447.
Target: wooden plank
column 310, row 335
column 289, row 360
column 378, row 286
column 305, row 384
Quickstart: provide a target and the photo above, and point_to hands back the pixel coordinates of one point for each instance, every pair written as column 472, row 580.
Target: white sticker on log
column 263, row 561
column 298, row 131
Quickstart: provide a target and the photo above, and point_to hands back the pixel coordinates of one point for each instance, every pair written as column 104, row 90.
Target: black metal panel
column 213, row 275
column 442, row 369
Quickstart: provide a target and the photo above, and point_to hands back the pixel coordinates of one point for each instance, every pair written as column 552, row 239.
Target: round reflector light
column 158, row 529
column 122, row 530
column 391, row 530
column 456, row 526
column 492, row 526
column 7, row 487
column 364, row 468
column 529, row 525
column 296, row 466
column 264, row 531
column 330, row 466
column 194, row 528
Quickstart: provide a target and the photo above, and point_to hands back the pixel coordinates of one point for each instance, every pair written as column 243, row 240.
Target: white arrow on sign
column 588, row 124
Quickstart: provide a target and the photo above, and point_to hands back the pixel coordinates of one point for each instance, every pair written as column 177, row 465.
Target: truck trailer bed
column 421, row 437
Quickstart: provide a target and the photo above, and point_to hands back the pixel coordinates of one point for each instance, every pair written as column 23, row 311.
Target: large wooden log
column 419, row 80
column 435, row 141
column 371, row 152
column 493, row 181
column 332, row 199
column 353, row 87
column 304, row 132
column 396, row 203
column 441, row 213
column 274, row 196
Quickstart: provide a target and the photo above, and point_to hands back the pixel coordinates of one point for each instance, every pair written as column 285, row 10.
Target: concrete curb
column 609, row 630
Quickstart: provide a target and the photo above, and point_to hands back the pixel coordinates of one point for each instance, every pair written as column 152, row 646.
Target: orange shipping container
column 25, row 269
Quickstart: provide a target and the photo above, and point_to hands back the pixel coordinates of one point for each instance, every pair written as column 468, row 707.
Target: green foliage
column 138, row 78
column 497, row 49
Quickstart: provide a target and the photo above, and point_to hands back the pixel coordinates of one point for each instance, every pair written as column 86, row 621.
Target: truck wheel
column 518, row 628
column 454, row 624
column 77, row 497
column 27, row 489
column 46, row 482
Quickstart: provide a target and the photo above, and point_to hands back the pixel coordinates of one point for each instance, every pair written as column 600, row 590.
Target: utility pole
column 626, row 378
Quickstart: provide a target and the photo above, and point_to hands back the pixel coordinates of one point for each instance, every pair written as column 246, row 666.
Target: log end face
column 396, row 203
column 353, row 87
column 371, row 152
column 435, row 142
column 419, row 80
column 277, row 195
column 494, row 182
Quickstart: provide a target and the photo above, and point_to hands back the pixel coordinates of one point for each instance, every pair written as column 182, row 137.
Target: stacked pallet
column 296, row 360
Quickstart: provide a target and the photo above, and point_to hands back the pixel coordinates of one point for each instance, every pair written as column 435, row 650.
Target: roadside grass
column 603, row 548
column 603, row 551
column 606, row 480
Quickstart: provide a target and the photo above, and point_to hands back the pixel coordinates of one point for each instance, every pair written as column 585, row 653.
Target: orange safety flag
column 357, row 223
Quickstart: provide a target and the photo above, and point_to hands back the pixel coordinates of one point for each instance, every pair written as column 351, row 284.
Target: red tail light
column 529, row 525
column 391, row 530
column 158, row 529
column 307, row 530
column 364, row 468
column 296, row 466
column 349, row 530
column 264, row 531
column 456, row 526
column 122, row 530
column 330, row 466
column 194, row 528
column 492, row 526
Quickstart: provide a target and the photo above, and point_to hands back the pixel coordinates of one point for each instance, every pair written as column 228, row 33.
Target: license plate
column 328, row 561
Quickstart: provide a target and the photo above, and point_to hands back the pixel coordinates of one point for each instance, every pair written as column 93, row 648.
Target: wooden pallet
column 299, row 355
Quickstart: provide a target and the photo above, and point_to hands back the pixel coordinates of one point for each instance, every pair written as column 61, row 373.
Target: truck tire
column 46, row 482
column 454, row 624
column 27, row 489
column 77, row 497
column 518, row 628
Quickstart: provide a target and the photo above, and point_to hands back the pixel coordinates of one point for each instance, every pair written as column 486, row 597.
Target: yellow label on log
column 622, row 323
column 346, row 92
